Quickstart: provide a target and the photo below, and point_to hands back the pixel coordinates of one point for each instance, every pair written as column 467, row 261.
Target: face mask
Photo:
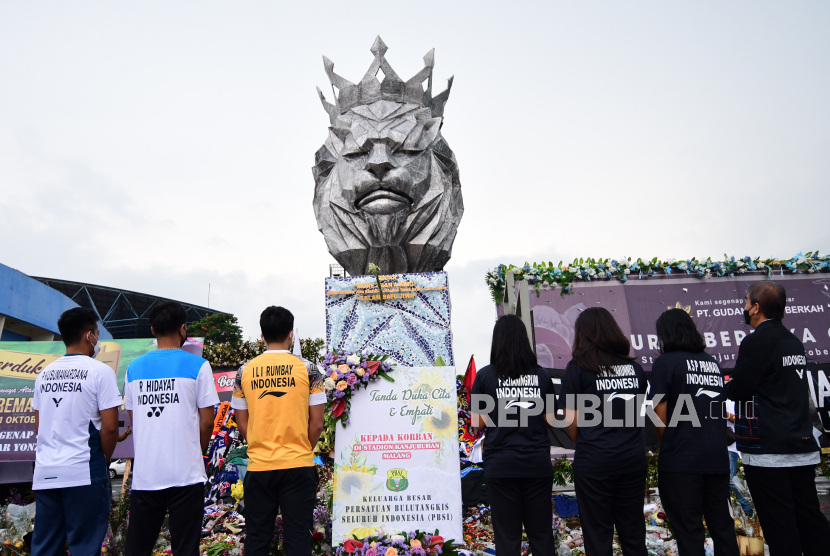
column 184, row 339
column 747, row 316
column 96, row 348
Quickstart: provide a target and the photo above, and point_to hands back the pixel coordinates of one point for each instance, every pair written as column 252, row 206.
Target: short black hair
column 770, row 296
column 276, row 323
column 167, row 317
column 76, row 322
column 510, row 352
column 677, row 332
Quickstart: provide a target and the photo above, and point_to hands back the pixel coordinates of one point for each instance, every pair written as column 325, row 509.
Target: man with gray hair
column 773, row 429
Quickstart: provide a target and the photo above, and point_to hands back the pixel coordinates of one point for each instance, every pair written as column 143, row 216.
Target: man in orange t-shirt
column 279, row 405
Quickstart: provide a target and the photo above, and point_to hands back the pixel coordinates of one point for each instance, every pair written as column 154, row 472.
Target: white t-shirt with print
column 69, row 396
column 165, row 390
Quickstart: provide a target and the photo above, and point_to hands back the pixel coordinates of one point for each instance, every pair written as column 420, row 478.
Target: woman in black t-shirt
column 693, row 464
column 602, row 392
column 508, row 399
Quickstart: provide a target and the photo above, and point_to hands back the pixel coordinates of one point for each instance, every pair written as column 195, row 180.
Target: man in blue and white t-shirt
column 76, row 403
column 170, row 395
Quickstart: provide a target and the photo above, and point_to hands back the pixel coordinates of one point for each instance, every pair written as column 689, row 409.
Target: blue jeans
column 733, row 470
column 79, row 515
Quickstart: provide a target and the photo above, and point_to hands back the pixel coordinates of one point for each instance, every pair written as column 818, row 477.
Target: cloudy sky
column 164, row 146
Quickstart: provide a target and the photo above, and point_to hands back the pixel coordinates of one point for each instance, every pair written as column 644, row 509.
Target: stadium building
column 30, row 307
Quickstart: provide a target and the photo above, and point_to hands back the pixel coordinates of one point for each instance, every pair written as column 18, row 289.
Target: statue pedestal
column 412, row 326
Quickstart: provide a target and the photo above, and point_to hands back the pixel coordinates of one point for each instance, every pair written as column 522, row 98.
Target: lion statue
column 387, row 188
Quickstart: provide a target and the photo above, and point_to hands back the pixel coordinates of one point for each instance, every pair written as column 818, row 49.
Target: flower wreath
column 547, row 276
column 416, row 543
column 343, row 373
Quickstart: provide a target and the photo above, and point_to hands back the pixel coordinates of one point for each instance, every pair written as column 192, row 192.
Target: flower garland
column 345, row 372
column 416, row 543
column 547, row 276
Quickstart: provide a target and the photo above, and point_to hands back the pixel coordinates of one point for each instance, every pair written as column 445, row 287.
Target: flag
column 470, row 377
column 297, row 348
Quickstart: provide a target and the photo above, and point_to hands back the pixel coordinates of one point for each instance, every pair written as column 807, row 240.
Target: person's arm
column 37, row 422
column 571, row 417
column 571, row 388
column 123, row 436
column 109, row 400
column 478, row 420
column 109, row 431
column 477, row 423
column 662, row 372
column 240, row 405
column 316, row 416
column 205, row 426
column 206, row 400
column 660, row 410
column 241, row 418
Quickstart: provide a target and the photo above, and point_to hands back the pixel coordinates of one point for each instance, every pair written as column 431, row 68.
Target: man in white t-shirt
column 76, row 403
column 170, row 395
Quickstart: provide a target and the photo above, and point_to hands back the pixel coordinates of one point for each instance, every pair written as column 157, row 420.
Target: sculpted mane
column 387, row 187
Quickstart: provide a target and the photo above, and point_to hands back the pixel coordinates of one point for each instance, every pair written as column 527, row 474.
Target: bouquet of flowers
column 343, row 373
column 416, row 543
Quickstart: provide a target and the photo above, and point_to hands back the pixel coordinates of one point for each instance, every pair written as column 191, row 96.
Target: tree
column 312, row 349
column 217, row 329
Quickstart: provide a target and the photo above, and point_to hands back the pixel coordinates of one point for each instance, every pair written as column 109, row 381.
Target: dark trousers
column 788, row 509
column 147, row 511
column 79, row 515
column 266, row 492
column 606, row 502
column 688, row 498
column 517, row 501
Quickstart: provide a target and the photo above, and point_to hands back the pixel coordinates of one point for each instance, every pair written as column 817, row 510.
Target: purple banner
column 715, row 304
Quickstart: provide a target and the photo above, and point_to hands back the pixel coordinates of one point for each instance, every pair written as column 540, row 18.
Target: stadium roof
column 122, row 312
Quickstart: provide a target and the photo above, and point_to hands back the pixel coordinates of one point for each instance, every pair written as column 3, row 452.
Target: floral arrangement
column 563, row 471
column 15, row 522
column 237, row 491
column 416, row 543
column 227, row 354
column 547, row 276
column 375, row 271
column 220, row 545
column 345, row 372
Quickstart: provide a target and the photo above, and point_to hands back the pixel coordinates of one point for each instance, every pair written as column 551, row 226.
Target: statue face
column 385, row 180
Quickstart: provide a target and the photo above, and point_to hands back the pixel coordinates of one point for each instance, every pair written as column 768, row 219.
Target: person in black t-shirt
column 602, row 392
column 693, row 465
column 508, row 399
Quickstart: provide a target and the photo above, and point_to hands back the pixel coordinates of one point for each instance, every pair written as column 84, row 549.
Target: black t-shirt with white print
column 687, row 448
column 615, row 444
column 517, row 443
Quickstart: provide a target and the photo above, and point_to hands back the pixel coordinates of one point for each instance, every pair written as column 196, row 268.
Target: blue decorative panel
column 412, row 326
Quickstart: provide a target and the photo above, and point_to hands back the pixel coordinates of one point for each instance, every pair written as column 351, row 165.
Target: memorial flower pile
column 16, row 520
column 547, row 275
column 416, row 543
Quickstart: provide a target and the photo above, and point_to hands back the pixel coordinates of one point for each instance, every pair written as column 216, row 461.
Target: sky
column 166, row 147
